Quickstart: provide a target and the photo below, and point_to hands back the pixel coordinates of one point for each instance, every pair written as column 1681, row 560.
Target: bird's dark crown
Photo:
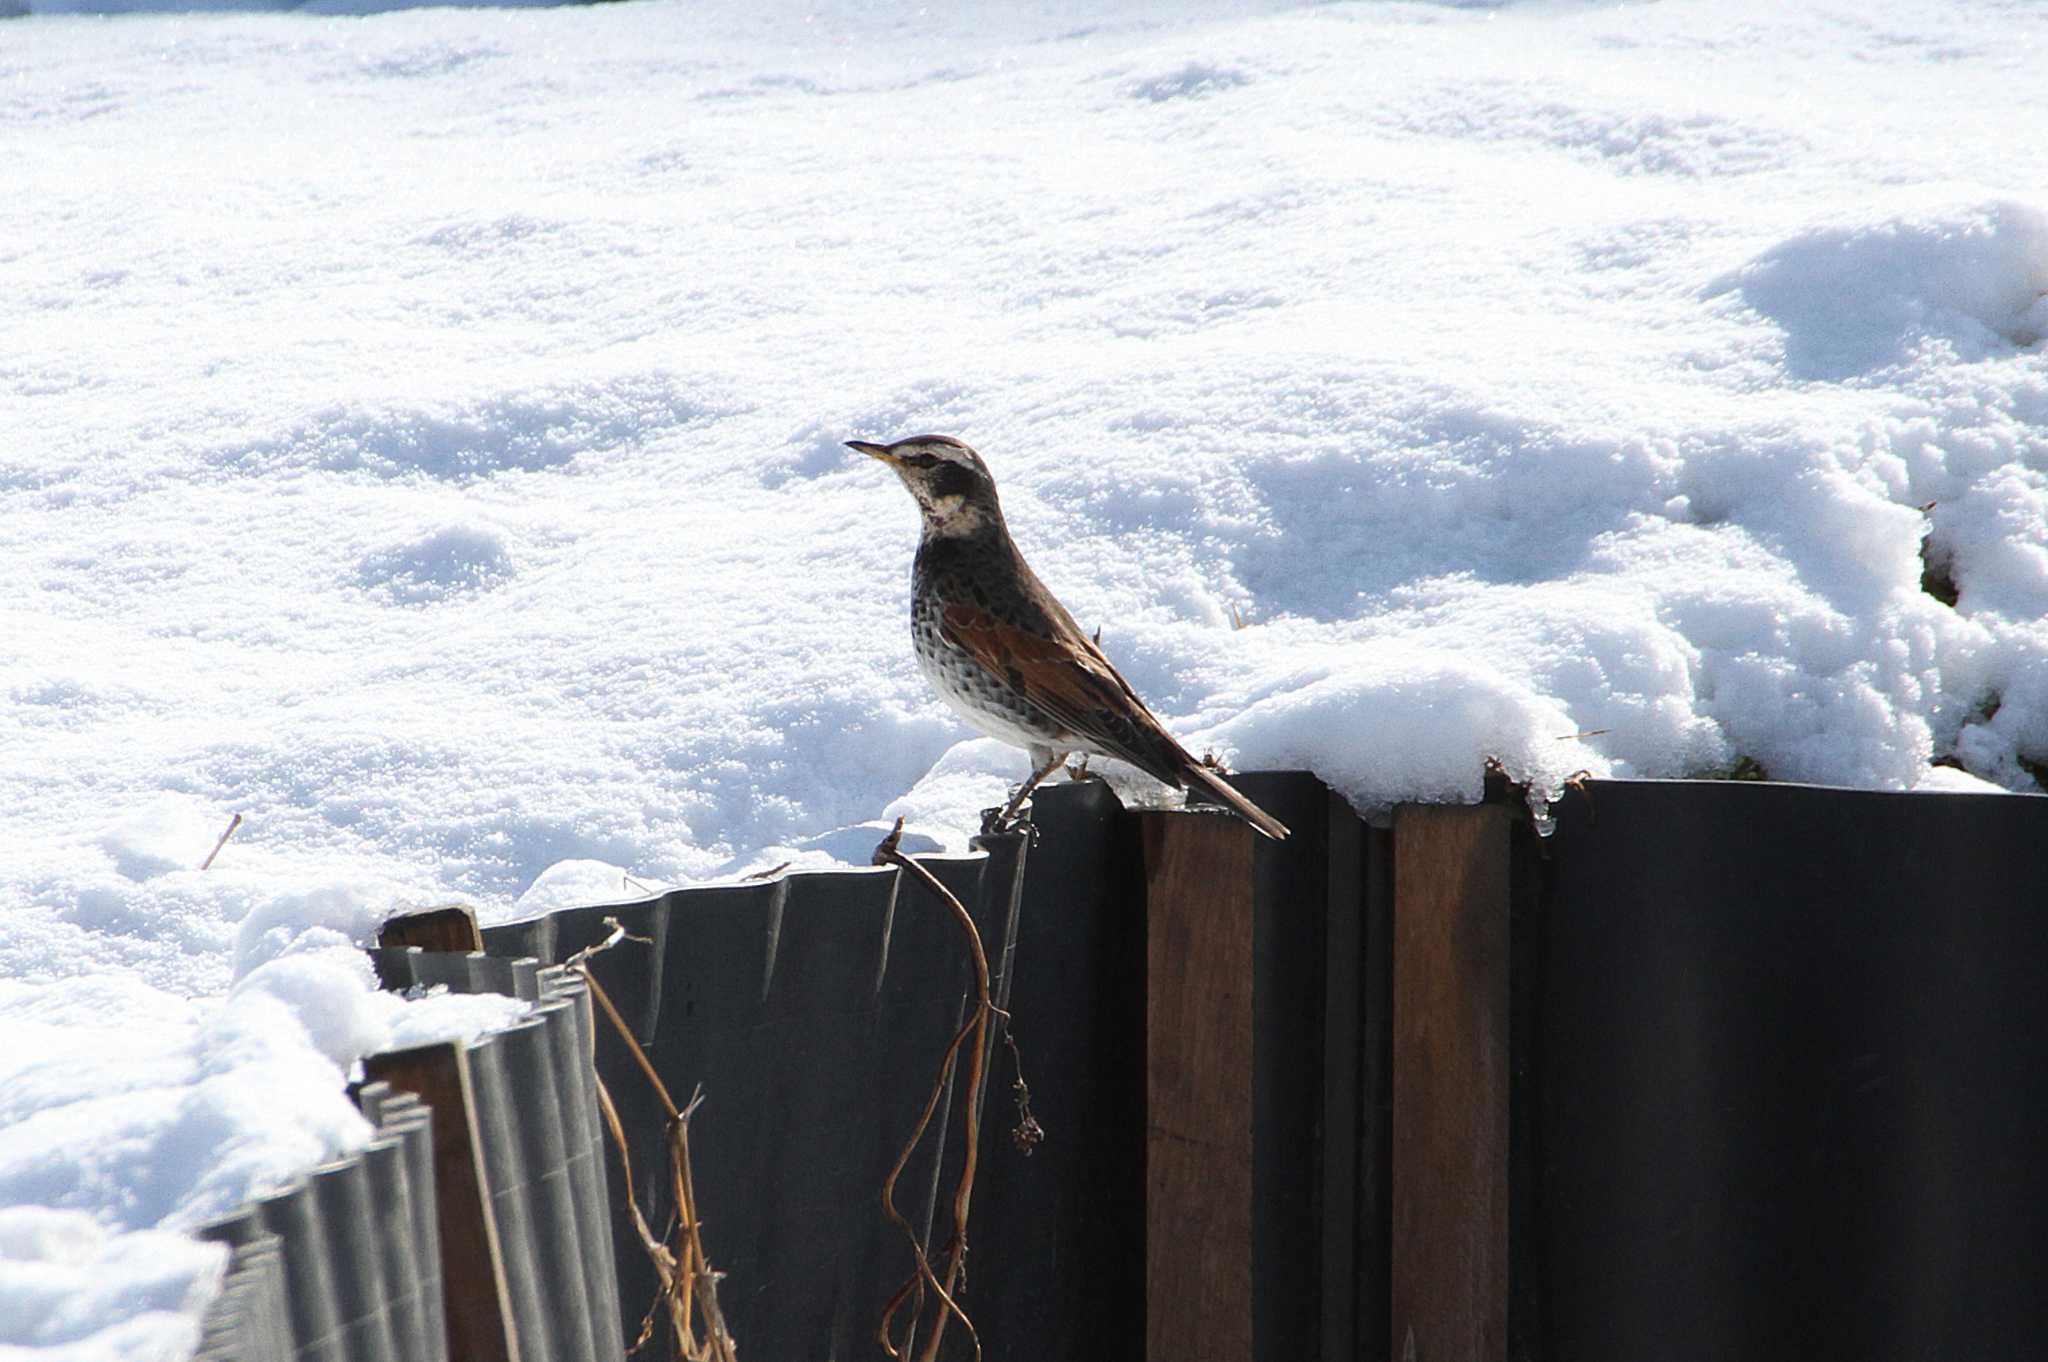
column 953, row 487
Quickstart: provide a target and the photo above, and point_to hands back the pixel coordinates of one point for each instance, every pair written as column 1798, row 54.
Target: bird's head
column 952, row 485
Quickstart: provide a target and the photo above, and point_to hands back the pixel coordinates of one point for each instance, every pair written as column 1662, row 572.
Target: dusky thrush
column 1003, row 652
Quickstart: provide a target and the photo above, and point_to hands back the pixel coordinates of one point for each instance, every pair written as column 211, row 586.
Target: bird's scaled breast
column 987, row 701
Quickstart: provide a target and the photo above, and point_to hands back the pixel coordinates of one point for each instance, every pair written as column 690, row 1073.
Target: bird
column 1002, row 651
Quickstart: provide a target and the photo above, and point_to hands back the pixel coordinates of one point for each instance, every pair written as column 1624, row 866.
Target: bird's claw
column 994, row 824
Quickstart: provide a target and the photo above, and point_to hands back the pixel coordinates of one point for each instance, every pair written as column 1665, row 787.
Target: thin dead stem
column 689, row 1284
column 233, row 823
column 923, row 1278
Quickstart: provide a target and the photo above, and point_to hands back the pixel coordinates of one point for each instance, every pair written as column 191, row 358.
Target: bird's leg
column 999, row 819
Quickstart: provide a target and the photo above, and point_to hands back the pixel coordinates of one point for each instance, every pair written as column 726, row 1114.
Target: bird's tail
column 1214, row 784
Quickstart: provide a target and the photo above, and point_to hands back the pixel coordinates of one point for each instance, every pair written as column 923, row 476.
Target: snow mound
column 71, row 1288
column 461, row 440
column 1187, row 81
column 162, row 836
column 1619, row 134
column 446, row 564
column 1853, row 299
column 579, row 883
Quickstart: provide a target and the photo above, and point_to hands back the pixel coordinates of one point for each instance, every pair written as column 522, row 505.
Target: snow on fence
column 365, row 1259
column 1716, row 1069
column 343, row 1264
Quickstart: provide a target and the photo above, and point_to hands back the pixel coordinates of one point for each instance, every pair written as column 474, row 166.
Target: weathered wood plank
column 1450, row 1083
column 1198, row 1103
column 479, row 1314
column 433, row 929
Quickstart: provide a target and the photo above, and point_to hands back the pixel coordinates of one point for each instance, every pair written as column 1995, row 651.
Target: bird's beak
column 873, row 451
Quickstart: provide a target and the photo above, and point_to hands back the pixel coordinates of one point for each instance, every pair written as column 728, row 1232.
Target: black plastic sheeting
column 1788, row 1061
column 813, row 1009
column 345, row 1266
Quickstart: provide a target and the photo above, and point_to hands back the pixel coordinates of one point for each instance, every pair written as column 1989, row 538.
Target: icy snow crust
column 420, row 433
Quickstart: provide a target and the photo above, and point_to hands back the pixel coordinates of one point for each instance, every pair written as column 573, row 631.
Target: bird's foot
column 1001, row 821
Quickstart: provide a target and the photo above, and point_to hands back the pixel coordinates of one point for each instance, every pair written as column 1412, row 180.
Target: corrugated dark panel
column 248, row 1320
column 1310, row 934
column 393, row 965
column 294, row 1217
column 356, row 1262
column 987, row 885
column 563, row 1315
column 348, row 1215
column 569, row 1041
column 395, row 1251
column 505, row 1173
column 1793, row 1074
column 813, row 1128
column 630, row 973
column 334, row 1265
column 1059, row 1266
column 536, row 1119
column 530, row 938
column 402, row 1119
column 813, row 1011
column 405, row 967
column 1060, row 1270
column 712, row 970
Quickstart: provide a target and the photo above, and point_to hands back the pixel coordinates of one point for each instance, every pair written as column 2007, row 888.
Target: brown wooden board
column 434, row 929
column 479, row 1311
column 1450, row 1150
column 1198, row 1084
column 1070, row 1280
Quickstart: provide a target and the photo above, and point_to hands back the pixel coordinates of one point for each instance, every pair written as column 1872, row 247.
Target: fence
column 1176, row 985
column 1717, row 1069
column 811, row 1009
column 348, row 1264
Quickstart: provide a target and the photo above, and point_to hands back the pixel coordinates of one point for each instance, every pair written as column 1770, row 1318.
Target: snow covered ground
column 420, row 434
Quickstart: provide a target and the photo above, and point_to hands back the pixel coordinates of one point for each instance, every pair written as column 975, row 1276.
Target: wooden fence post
column 1452, row 888
column 1198, row 1087
column 433, row 929
column 480, row 1321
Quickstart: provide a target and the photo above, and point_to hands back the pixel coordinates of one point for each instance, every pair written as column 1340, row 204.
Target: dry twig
column 1026, row 1135
column 233, row 823
column 923, row 1278
column 689, row 1284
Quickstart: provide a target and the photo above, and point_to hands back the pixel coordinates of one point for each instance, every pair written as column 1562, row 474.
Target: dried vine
column 923, row 1277
column 689, row 1284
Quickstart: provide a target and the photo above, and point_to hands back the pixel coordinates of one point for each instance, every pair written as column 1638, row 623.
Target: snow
column 420, row 433
column 70, row 1288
